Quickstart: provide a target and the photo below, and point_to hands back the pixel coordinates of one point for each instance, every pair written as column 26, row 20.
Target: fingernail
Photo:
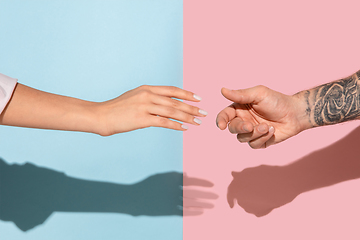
column 198, row 121
column 271, row 129
column 245, row 128
column 203, row 112
column 197, row 97
column 185, row 127
column 262, row 128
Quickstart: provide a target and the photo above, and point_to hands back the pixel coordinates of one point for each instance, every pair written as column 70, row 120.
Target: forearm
column 32, row 108
column 331, row 103
column 77, row 195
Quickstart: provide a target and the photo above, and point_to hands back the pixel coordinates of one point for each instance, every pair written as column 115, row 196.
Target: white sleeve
column 7, row 85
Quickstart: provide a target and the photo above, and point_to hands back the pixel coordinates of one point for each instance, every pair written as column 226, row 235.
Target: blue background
column 93, row 50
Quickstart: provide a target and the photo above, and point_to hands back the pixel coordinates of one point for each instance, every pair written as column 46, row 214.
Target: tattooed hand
column 263, row 117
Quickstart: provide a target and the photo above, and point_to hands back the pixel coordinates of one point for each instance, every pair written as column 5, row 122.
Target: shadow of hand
column 163, row 194
column 30, row 194
column 194, row 200
column 159, row 194
column 260, row 189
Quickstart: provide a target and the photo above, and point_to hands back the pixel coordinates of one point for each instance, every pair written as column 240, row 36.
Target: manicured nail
column 271, row 129
column 198, row 121
column 203, row 112
column 197, row 97
column 185, row 127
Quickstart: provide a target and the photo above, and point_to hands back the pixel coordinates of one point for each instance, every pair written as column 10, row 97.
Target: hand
column 170, row 193
column 261, row 116
column 195, row 201
column 149, row 106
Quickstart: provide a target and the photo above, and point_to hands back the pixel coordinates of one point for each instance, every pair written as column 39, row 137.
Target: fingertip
column 197, row 121
column 248, row 127
column 231, row 203
column 184, row 127
column 271, row 130
column 219, row 121
column 222, row 125
column 197, row 97
column 203, row 112
column 224, row 91
column 263, row 128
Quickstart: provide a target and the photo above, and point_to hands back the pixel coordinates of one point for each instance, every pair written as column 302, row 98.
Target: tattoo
column 308, row 110
column 336, row 102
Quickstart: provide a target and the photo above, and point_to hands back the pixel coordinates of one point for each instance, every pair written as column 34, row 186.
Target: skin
column 262, row 117
column 142, row 107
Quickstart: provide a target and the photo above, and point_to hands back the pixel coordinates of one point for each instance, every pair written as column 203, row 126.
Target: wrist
column 97, row 113
column 302, row 110
column 86, row 118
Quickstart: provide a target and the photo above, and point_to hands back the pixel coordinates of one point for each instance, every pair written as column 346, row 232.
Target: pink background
column 288, row 46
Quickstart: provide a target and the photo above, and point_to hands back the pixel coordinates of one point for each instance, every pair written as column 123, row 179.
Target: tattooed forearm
column 335, row 102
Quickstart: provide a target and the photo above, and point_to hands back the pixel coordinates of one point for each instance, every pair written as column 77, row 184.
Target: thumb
column 230, row 201
column 230, row 197
column 244, row 96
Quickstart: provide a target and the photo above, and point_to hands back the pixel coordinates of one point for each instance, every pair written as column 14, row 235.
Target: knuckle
column 190, row 118
column 144, row 94
column 162, row 122
column 144, row 87
column 262, row 88
column 175, row 104
column 194, row 110
column 173, row 90
column 171, row 111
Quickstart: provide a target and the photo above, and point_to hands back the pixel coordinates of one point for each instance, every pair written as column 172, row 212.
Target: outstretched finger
column 158, row 121
column 189, row 181
column 170, row 102
column 175, row 92
column 194, row 203
column 173, row 113
column 192, row 212
column 225, row 116
column 196, row 194
column 245, row 96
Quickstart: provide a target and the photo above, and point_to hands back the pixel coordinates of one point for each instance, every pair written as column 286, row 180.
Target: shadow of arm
column 261, row 189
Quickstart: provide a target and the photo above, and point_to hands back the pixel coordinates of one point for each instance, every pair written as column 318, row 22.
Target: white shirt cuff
column 7, row 86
